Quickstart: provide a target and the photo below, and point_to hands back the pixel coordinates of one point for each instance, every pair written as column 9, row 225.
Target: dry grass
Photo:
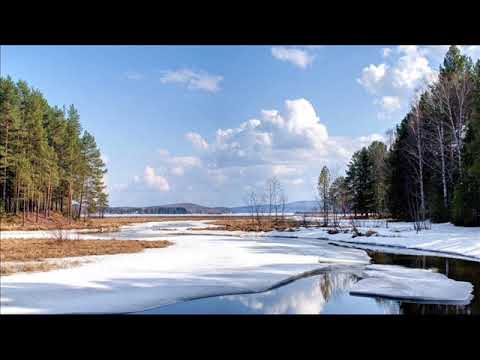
column 249, row 224
column 57, row 221
column 39, row 249
column 36, row 254
column 29, row 255
column 8, row 268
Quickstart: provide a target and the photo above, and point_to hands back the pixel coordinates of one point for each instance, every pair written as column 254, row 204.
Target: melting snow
column 398, row 282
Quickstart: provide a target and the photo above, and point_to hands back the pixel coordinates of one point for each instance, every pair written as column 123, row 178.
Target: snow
column 442, row 239
column 398, row 282
column 195, row 266
column 211, row 262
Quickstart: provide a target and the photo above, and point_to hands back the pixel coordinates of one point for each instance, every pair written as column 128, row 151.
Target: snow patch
column 397, row 282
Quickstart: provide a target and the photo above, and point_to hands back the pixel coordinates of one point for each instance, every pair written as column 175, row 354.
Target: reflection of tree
column 331, row 283
column 390, row 306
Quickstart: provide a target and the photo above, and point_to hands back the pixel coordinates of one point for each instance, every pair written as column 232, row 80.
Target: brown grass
column 249, row 224
column 8, row 268
column 57, row 221
column 39, row 249
column 32, row 254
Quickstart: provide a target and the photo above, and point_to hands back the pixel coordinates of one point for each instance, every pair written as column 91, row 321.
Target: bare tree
column 272, row 195
column 283, row 202
column 416, row 149
column 252, row 201
column 454, row 96
column 437, row 142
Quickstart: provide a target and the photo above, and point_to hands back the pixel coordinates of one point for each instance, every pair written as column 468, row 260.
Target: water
column 328, row 293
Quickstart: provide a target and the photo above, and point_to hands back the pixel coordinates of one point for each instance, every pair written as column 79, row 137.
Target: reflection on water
column 328, row 293
column 461, row 270
column 325, row 293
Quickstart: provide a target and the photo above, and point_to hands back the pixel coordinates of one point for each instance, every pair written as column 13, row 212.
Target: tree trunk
column 24, row 206
column 5, row 170
column 38, row 207
column 81, row 202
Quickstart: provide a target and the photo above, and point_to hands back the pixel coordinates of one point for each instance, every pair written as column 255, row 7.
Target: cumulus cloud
column 291, row 143
column 412, row 68
column 392, row 83
column 155, row 181
column 386, row 52
column 390, row 103
column 372, row 77
column 296, row 56
column 197, row 140
column 193, row 80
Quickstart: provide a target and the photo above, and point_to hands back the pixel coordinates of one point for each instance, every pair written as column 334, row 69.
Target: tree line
column 47, row 163
column 430, row 168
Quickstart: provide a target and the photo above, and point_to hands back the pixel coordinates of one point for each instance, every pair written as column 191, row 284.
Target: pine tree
column 466, row 203
column 44, row 163
column 9, row 122
column 361, row 182
column 377, row 152
column 323, row 188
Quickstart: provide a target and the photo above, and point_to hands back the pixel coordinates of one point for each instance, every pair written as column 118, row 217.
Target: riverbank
column 201, row 263
column 443, row 239
column 112, row 223
column 197, row 265
column 29, row 255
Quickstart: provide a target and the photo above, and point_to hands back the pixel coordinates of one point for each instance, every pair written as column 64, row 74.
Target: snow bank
column 398, row 282
column 195, row 266
column 444, row 239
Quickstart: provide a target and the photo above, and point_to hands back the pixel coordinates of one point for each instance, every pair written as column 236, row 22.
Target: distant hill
column 292, row 207
column 181, row 208
column 189, row 208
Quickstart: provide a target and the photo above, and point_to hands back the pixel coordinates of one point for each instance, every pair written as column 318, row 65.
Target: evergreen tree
column 44, row 163
column 361, row 182
column 323, row 188
column 377, row 152
column 466, row 203
column 9, row 123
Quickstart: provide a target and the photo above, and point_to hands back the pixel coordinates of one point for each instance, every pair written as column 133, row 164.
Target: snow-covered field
column 205, row 263
column 441, row 240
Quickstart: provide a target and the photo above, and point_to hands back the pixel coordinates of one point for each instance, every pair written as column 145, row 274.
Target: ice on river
column 398, row 282
column 195, row 266
column 206, row 263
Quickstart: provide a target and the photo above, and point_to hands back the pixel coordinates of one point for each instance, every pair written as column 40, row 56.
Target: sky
column 208, row 124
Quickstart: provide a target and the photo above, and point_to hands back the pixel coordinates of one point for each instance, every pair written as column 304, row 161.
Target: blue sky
column 156, row 111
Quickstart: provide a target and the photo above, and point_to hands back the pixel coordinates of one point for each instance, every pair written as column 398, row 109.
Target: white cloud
column 292, row 144
column 178, row 171
column 283, row 169
column 154, row 181
column 296, row 56
column 404, row 70
column 372, row 77
column 390, row 103
column 193, row 80
column 197, row 140
column 412, row 69
column 297, row 181
column 386, row 52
